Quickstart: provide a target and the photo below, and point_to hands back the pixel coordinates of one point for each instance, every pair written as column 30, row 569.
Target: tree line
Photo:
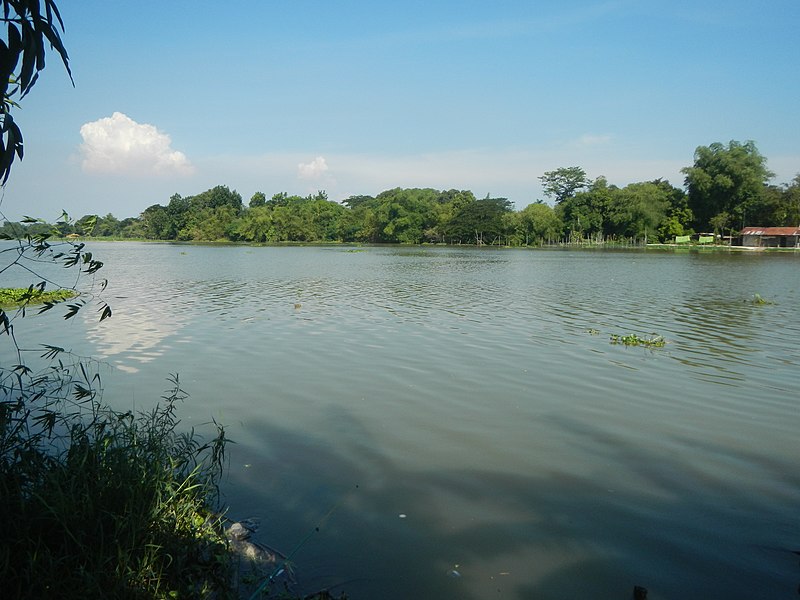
column 725, row 189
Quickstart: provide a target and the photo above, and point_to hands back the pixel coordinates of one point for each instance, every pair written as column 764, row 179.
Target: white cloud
column 313, row 170
column 119, row 145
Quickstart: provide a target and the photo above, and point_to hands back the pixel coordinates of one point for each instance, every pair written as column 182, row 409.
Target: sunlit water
column 457, row 423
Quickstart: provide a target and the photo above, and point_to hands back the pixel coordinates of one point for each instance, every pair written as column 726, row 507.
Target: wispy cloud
column 510, row 172
column 119, row 145
column 489, row 28
column 314, row 169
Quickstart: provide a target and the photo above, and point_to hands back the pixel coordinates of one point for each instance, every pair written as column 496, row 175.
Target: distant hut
column 771, row 237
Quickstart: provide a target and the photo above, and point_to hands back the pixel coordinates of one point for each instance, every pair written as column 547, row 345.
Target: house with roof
column 770, row 237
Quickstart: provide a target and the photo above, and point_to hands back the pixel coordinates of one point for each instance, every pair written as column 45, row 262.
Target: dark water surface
column 449, row 422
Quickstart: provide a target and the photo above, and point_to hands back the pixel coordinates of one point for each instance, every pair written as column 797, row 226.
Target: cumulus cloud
column 119, row 145
column 313, row 170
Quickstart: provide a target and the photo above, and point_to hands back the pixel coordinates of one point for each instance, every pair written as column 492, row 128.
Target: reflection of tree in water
column 546, row 535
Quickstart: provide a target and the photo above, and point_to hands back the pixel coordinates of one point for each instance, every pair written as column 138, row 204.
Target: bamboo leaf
column 106, row 312
column 72, row 310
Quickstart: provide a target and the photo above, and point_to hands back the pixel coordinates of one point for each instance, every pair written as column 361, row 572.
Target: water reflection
column 462, row 389
column 546, row 534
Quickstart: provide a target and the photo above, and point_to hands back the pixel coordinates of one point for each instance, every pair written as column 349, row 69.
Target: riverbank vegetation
column 725, row 189
column 100, row 503
column 97, row 502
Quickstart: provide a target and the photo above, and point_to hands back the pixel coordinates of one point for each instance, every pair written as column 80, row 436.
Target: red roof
column 770, row 231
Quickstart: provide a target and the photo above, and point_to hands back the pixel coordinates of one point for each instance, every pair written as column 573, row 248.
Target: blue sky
column 355, row 97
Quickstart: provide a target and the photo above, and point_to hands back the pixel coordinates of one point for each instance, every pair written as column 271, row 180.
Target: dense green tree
column 178, row 211
column 790, row 211
column 540, row 223
column 448, row 205
column 678, row 219
column 720, row 222
column 354, row 202
column 216, row 197
column 288, row 225
column 586, row 214
column 255, row 226
column 156, row 223
column 725, row 179
column 564, row 182
column 638, row 209
column 323, row 216
column 644, row 210
column 480, row 222
column 512, row 233
column 132, row 227
column 405, row 214
column 258, row 199
column 279, row 199
column 107, row 226
column 210, row 224
column 778, row 206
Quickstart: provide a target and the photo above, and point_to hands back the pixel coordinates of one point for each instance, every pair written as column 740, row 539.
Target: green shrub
column 99, row 503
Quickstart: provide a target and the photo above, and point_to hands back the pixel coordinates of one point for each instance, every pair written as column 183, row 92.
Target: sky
column 355, row 98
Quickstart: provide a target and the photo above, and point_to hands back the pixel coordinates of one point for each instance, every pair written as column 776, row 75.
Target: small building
column 770, row 237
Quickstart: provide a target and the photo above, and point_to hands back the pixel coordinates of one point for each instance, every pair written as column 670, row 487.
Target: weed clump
column 656, row 341
column 99, row 503
column 758, row 300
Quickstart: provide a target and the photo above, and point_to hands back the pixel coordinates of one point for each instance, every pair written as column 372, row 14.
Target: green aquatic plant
column 656, row 341
column 592, row 331
column 15, row 297
column 759, row 300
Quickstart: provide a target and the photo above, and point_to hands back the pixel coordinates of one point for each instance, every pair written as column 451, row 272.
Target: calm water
column 447, row 420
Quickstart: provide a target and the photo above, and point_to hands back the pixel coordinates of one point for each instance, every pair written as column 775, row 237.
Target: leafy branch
column 30, row 26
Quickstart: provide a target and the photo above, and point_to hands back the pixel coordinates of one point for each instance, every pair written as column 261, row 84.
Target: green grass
column 98, row 503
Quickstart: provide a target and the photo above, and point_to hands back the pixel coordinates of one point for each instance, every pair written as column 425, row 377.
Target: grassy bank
column 98, row 503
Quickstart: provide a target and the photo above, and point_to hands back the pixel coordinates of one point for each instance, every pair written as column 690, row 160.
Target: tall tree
column 563, row 183
column 638, row 209
column 405, row 214
column 587, row 213
column 480, row 222
column 539, row 223
column 216, row 197
column 258, row 199
column 725, row 179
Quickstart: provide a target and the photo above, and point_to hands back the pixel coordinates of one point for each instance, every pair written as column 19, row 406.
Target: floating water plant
column 11, row 297
column 632, row 339
column 591, row 331
column 757, row 299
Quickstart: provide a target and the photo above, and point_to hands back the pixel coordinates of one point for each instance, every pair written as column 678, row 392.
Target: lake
column 457, row 422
